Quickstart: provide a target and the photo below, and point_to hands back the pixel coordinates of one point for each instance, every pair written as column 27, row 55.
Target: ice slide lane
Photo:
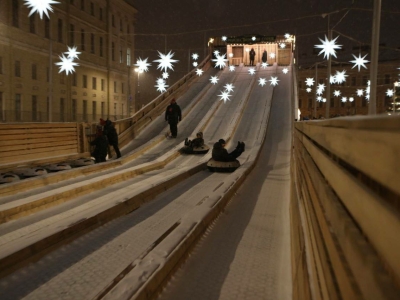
column 28, row 236
column 124, row 242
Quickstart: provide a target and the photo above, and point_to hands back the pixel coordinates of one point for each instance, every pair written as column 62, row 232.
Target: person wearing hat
column 173, row 115
column 219, row 153
column 195, row 143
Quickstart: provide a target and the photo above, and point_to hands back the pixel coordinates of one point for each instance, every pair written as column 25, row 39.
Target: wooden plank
column 26, row 131
column 35, row 136
column 34, row 156
column 36, row 140
column 35, row 125
column 374, row 153
column 33, row 146
column 378, row 221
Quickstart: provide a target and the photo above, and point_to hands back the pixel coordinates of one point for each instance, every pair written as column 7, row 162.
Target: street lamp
column 138, row 71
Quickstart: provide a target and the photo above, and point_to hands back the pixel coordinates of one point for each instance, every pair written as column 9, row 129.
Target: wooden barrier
column 345, row 208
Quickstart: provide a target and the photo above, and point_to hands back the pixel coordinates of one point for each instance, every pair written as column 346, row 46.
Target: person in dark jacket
column 264, row 57
column 252, row 54
column 101, row 145
column 195, row 143
column 219, row 153
column 112, row 136
column 173, row 115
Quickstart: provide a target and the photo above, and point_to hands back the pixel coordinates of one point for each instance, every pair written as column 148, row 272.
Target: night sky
column 187, row 26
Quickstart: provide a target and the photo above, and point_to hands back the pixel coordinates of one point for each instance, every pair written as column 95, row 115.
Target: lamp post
column 138, row 71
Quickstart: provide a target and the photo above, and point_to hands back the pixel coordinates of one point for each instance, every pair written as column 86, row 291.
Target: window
column 112, row 51
column 387, row 78
column 120, row 25
column 101, row 46
column 62, row 78
column 332, row 102
column 92, row 43
column 115, row 110
column 92, row 8
column 121, row 60
column 113, row 21
column 34, row 108
column 353, row 81
column 17, row 68
column 115, row 86
column 72, row 34
column 102, row 85
column 128, row 57
column 310, row 101
column 46, row 27
column 364, row 80
column 1, row 65
column 62, row 109
column 17, row 107
column 82, row 4
column 15, row 13
column 32, row 27
column 34, row 71
column 84, row 110
column 82, row 39
column 102, row 108
column 71, row 2
column 127, row 28
column 74, row 79
column 60, row 31
column 47, row 74
column 122, row 109
column 47, row 105
column 101, row 14
column 74, row 109
column 94, row 111
column 122, row 88
column 1, row 107
column 300, row 103
column 94, row 83
column 84, row 81
column 300, row 84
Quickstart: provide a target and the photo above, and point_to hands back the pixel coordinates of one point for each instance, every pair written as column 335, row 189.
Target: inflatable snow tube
column 196, row 150
column 222, row 166
column 30, row 172
column 81, row 162
column 8, row 177
column 58, row 167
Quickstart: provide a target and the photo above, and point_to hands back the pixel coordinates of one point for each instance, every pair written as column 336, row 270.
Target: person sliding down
column 173, row 115
column 195, row 143
column 219, row 153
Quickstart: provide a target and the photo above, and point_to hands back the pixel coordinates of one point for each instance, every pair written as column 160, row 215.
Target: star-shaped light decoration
column 253, row 38
column 274, row 80
column 321, row 86
column 332, row 79
column 367, row 96
column 264, row 65
column 252, row 71
column 224, row 38
column 389, row 93
column 272, row 55
column 165, row 75
column 195, row 64
column 220, row 61
column 199, row 72
column 369, row 82
column 72, row 53
column 142, row 64
column 308, row 90
column 360, row 92
column 328, row 47
column 262, row 81
column 323, row 99
column 160, row 80
column 309, row 81
column 165, row 61
column 282, row 45
column 224, row 96
column 336, row 93
column 229, row 87
column 66, row 64
column 40, row 6
column 214, row 79
column 231, row 68
column 319, row 91
column 359, row 61
column 195, row 56
column 285, row 70
column 344, row 99
column 287, row 35
column 319, row 98
column 216, row 52
column 351, row 99
column 161, row 85
column 341, row 76
column 368, row 90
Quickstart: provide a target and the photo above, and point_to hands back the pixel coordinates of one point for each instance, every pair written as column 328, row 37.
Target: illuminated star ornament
column 195, row 56
column 272, row 55
column 262, row 81
column 165, row 75
column 287, row 35
column 224, row 96
column 161, row 85
column 252, row 71
column 336, row 93
column 72, row 53
column 360, row 92
column 309, row 81
column 224, row 38
column 344, row 99
column 229, row 87
column 199, row 72
column 220, row 60
column 341, row 76
column 40, row 6
column 332, row 79
column 389, row 93
column 195, row 64
column 143, row 65
column 328, row 47
column 165, row 61
column 66, row 64
column 359, row 61
column 308, row 90
column 216, row 52
column 231, row 68
column 285, row 70
column 264, row 65
column 274, row 80
column 214, row 79
column 282, row 45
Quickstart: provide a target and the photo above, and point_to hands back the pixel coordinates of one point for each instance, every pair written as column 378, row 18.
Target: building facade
column 31, row 87
column 311, row 108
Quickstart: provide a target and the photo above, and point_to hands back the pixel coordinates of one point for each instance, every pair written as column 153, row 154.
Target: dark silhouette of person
column 195, row 143
column 219, row 153
column 101, row 145
column 112, row 136
column 264, row 57
column 252, row 54
column 173, row 115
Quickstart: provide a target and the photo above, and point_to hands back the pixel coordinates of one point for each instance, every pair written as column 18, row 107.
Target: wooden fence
column 345, row 208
